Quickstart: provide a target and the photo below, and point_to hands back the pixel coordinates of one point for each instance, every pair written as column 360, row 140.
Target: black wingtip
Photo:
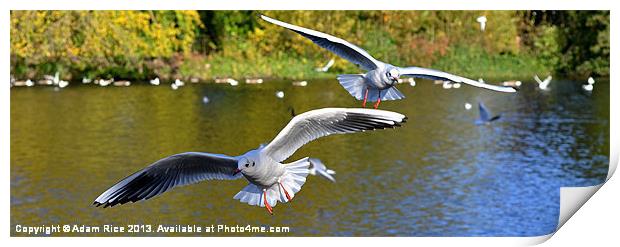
column 260, row 15
column 516, row 89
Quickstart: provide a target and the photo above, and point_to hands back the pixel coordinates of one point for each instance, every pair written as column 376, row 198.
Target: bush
column 98, row 43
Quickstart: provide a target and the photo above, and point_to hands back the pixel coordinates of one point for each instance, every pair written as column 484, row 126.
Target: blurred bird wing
column 546, row 81
column 484, row 113
column 338, row 46
column 537, row 79
column 167, row 173
column 443, row 76
column 314, row 124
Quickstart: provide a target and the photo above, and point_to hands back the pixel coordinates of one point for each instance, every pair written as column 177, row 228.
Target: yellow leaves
column 95, row 38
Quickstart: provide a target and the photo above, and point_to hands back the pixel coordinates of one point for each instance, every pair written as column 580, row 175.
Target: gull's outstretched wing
column 484, row 113
column 311, row 125
column 336, row 45
column 167, row 173
column 537, row 79
column 443, row 76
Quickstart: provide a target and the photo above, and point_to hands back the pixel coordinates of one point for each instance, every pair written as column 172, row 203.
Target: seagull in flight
column 483, row 21
column 327, row 66
column 485, row 115
column 543, row 85
column 269, row 180
column 378, row 83
column 318, row 168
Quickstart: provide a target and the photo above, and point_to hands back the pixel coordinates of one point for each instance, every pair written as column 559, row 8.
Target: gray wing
column 314, row 124
column 443, row 76
column 336, row 45
column 484, row 113
column 167, row 173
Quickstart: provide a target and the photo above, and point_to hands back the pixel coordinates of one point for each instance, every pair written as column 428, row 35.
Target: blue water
column 438, row 175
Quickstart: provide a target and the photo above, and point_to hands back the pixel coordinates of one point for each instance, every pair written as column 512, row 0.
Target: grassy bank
column 464, row 62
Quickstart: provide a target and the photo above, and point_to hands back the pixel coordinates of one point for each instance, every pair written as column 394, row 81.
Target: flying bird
column 269, row 179
column 318, row 168
column 378, row 83
column 483, row 22
column 485, row 115
column 543, row 85
column 327, row 66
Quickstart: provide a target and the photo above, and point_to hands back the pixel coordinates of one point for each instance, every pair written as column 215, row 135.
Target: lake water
column 438, row 175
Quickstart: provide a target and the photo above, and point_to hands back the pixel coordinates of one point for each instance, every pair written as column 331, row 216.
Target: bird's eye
column 246, row 165
column 253, row 164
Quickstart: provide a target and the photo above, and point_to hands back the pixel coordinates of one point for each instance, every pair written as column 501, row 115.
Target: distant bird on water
column 378, row 83
column 269, row 179
column 155, row 81
column 485, row 115
column 280, row 94
column 590, row 86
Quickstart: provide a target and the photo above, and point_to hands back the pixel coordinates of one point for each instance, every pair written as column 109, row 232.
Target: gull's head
column 247, row 162
column 393, row 74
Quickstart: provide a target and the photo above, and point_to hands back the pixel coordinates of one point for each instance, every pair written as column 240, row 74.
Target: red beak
column 236, row 171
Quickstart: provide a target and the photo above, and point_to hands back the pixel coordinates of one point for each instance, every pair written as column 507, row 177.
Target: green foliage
column 117, row 43
column 575, row 43
column 205, row 44
column 476, row 63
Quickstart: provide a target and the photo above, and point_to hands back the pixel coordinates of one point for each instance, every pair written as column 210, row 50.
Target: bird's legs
column 378, row 100
column 365, row 97
column 269, row 209
column 288, row 197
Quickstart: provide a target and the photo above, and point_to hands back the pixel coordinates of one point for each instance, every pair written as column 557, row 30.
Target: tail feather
column 386, row 94
column 392, row 94
column 354, row 84
column 293, row 179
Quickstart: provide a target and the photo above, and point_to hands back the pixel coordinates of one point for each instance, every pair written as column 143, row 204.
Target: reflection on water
column 438, row 175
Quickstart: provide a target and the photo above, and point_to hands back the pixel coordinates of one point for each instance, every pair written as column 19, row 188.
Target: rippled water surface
column 438, row 175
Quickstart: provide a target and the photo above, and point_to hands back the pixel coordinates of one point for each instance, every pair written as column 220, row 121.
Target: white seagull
column 269, row 179
column 179, row 82
column 327, row 66
column 590, row 86
column 280, row 94
column 483, row 22
column 318, row 168
column 543, row 85
column 155, row 81
column 378, row 83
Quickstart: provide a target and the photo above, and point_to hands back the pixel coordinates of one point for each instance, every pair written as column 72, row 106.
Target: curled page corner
column 572, row 198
